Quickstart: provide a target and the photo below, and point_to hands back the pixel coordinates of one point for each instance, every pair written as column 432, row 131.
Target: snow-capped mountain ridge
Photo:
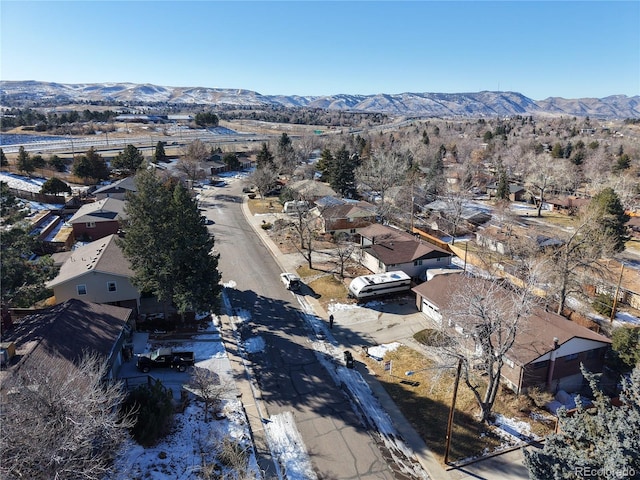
column 471, row 104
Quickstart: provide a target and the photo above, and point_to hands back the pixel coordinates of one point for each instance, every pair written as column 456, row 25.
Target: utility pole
column 453, row 407
column 615, row 296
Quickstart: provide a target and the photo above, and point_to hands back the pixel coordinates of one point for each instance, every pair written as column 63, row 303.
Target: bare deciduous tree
column 543, row 174
column 305, row 226
column 61, row 420
column 578, row 260
column 480, row 323
column 191, row 158
column 380, row 172
column 207, row 386
column 264, row 178
column 343, row 251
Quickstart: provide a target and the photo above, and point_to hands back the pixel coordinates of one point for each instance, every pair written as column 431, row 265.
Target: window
column 111, row 286
column 417, row 262
column 82, row 289
column 353, row 230
column 91, row 224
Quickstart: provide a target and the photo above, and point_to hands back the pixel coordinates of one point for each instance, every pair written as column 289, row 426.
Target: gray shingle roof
column 103, row 255
column 105, row 210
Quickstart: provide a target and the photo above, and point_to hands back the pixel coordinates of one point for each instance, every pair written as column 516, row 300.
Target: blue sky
column 542, row 48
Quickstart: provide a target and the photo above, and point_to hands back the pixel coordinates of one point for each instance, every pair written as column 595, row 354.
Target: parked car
column 165, row 358
column 290, row 280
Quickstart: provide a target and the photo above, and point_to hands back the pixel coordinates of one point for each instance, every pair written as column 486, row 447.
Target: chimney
column 552, row 362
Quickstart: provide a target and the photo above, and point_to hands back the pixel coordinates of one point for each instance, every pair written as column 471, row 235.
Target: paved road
column 288, row 375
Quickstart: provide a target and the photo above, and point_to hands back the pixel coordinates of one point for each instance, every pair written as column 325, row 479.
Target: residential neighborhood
column 289, row 295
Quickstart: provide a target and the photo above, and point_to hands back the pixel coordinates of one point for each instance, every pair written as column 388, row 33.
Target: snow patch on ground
column 512, row 429
column 379, row 351
column 254, row 345
column 29, row 184
column 288, row 447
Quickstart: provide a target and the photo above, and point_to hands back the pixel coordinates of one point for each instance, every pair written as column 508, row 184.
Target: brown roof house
column 567, row 205
column 517, row 193
column 384, row 249
column 97, row 272
column 98, row 219
column 64, row 332
column 310, row 190
column 548, row 350
column 501, row 240
column 337, row 215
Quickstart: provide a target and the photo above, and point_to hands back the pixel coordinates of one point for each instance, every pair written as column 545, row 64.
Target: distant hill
column 489, row 104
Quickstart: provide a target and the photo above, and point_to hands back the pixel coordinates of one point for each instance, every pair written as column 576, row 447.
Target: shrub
column 153, row 406
column 603, row 304
column 266, row 226
column 539, row 397
column 432, row 337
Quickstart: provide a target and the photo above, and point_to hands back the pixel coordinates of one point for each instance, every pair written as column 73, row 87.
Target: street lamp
column 453, row 403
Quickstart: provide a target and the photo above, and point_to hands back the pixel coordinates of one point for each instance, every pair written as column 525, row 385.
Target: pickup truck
column 165, row 358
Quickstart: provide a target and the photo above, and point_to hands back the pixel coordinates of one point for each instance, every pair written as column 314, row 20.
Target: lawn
column 259, row 206
column 425, row 399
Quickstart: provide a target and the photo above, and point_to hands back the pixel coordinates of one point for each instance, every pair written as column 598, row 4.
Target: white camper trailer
column 295, row 206
column 369, row 286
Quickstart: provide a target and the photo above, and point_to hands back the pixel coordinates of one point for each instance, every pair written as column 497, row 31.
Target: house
column 97, row 272
column 567, row 205
column 310, row 190
column 117, row 189
column 66, row 331
column 455, row 219
column 548, row 349
column 633, row 225
column 393, row 249
column 517, row 193
column 498, row 239
column 343, row 216
column 98, row 219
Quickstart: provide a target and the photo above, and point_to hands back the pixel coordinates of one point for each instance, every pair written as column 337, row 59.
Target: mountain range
column 486, row 103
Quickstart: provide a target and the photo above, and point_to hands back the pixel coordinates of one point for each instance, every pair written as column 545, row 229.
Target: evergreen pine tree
column 326, row 165
column 169, row 246
column 265, row 158
column 160, row 155
column 4, row 162
column 502, row 189
column 597, row 445
column 23, row 162
column 343, row 176
column 90, row 165
column 54, row 186
column 128, row 160
column 611, row 217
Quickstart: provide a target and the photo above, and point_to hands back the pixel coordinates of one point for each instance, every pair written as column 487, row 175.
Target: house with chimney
column 337, row 215
column 548, row 349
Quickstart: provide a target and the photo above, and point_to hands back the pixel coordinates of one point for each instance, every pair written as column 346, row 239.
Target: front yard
column 425, row 399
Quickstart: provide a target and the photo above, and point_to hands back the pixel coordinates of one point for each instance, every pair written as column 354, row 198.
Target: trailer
column 380, row 284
